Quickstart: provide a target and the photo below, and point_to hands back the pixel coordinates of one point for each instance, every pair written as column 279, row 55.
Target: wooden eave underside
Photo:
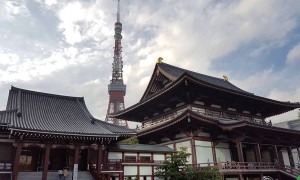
column 65, row 136
column 249, row 130
column 132, row 112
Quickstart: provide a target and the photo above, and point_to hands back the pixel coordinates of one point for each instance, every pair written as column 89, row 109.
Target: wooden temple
column 220, row 124
column 44, row 133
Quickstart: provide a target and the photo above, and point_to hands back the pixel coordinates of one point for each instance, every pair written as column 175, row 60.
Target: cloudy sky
column 66, row 47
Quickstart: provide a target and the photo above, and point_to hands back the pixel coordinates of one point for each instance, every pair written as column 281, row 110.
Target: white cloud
column 82, row 22
column 50, row 2
column 9, row 9
column 284, row 95
column 293, row 55
column 9, row 59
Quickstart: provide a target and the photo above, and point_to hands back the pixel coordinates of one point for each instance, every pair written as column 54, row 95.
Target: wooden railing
column 112, row 165
column 162, row 118
column 93, row 171
column 289, row 169
column 250, row 166
column 202, row 111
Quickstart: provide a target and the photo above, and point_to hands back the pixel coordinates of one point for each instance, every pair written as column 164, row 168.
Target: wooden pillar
column 152, row 159
column 99, row 160
column 46, row 162
column 291, row 158
column 241, row 177
column 276, row 154
column 138, row 166
column 193, row 149
column 17, row 160
column 240, row 151
column 214, row 153
column 298, row 154
column 76, row 156
column 257, row 152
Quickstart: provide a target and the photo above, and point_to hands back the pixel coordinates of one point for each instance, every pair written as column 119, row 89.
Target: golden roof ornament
column 225, row 78
column 159, row 60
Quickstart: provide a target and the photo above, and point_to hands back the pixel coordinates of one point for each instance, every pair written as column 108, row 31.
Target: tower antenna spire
column 116, row 88
column 118, row 12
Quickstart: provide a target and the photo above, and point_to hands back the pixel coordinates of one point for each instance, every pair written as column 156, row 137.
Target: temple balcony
column 214, row 114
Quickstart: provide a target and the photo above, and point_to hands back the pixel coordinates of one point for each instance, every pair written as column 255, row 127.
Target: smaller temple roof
column 38, row 112
column 140, row 148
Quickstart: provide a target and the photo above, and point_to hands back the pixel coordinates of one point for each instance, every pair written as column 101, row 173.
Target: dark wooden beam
column 46, row 162
column 17, row 161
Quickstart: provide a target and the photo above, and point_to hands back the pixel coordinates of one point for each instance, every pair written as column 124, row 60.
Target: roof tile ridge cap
column 45, row 94
column 9, row 110
column 88, row 115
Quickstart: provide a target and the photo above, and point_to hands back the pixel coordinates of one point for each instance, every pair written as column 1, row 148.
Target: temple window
column 130, row 158
column 145, row 158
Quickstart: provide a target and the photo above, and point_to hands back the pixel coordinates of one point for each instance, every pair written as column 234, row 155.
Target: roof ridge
column 45, row 94
column 10, row 110
column 213, row 77
column 191, row 71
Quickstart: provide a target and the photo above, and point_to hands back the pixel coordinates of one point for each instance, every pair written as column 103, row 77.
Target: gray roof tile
column 55, row 113
column 140, row 148
column 177, row 72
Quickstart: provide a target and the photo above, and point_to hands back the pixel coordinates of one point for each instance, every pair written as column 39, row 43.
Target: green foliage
column 176, row 168
column 208, row 173
column 132, row 140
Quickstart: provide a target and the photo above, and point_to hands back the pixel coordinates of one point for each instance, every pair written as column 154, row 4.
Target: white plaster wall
column 145, row 170
column 158, row 157
column 202, row 143
column 223, row 154
column 114, row 155
column 186, row 144
column 130, row 170
column 204, row 154
column 285, row 156
column 130, row 154
column 295, row 157
column 145, row 154
column 183, row 144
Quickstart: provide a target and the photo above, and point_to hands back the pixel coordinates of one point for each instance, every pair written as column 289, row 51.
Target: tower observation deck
column 116, row 88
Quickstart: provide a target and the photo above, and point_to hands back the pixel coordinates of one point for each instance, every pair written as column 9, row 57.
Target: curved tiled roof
column 42, row 112
column 7, row 116
column 176, row 72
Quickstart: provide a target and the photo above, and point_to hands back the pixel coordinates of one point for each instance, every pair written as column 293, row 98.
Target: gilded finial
column 159, row 60
column 225, row 78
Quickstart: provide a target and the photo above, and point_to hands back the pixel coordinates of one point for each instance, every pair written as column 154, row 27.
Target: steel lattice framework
column 116, row 88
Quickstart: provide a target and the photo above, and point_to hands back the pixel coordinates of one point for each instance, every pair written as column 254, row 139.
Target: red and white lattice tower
column 116, row 88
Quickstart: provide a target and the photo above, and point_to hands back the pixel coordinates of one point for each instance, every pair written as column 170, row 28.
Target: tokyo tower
column 116, row 88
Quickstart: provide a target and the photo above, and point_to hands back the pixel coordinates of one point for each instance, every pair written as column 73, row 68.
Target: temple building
column 43, row 133
column 219, row 123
